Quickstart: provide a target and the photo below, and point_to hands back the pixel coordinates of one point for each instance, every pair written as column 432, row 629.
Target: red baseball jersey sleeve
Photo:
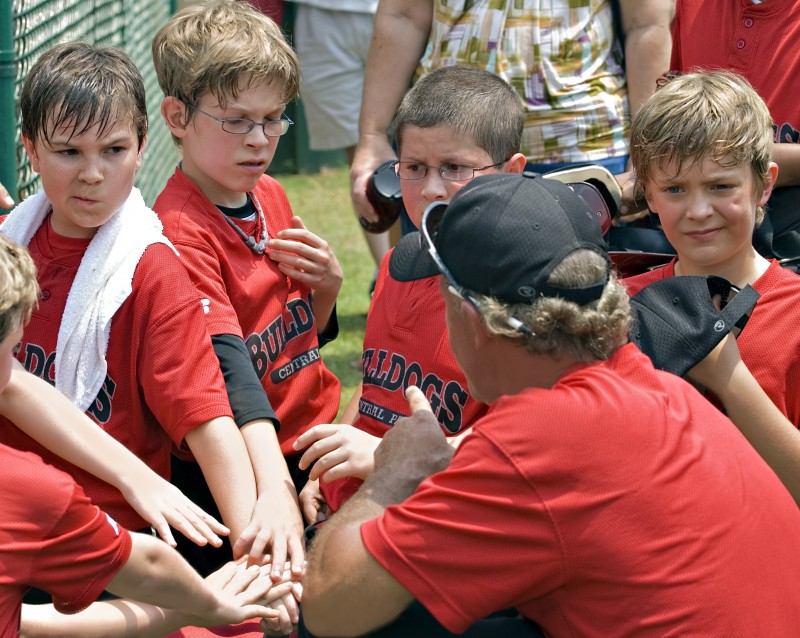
column 53, row 538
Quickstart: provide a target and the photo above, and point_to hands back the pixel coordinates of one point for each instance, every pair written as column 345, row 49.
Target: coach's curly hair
column 19, row 290
column 592, row 332
column 694, row 116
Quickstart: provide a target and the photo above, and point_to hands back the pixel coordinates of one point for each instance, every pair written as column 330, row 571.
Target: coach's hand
column 411, row 451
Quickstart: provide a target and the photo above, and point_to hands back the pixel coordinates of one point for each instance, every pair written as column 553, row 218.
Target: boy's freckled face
column 87, row 177
column 433, row 147
column 225, row 165
column 707, row 213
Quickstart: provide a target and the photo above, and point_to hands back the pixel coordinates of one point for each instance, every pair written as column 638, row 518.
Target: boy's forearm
column 156, row 574
column 772, row 435
column 47, row 416
column 263, row 448
column 350, row 412
column 102, row 619
column 222, row 455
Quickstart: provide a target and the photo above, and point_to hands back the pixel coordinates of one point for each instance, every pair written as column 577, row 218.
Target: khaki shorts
column 332, row 47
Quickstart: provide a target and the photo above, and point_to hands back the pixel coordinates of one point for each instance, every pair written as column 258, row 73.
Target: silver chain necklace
column 258, row 248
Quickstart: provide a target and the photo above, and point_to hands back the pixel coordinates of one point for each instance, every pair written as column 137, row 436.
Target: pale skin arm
column 5, row 199
column 48, row 417
column 222, row 455
column 648, row 43
column 772, row 435
column 307, row 258
column 398, row 41
column 132, row 619
column 350, row 412
column 347, row 592
column 276, row 522
column 158, row 575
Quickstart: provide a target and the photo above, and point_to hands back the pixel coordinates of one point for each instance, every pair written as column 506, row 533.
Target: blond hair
column 214, row 46
column 697, row 116
column 19, row 290
column 592, row 332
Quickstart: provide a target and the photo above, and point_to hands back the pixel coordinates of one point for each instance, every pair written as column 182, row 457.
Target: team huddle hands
column 504, row 324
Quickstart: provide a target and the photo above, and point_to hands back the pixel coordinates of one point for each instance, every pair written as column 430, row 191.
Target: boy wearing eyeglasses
column 269, row 284
column 454, row 124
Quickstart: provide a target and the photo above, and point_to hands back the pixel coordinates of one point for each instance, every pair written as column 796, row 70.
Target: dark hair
column 471, row 101
column 81, row 86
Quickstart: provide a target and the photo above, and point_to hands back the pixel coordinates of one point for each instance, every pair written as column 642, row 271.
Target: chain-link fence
column 30, row 27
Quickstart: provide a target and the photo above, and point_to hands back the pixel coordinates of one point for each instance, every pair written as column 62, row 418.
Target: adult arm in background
column 399, row 37
column 347, row 592
column 48, row 417
column 773, row 436
column 648, row 44
column 787, row 157
column 127, row 618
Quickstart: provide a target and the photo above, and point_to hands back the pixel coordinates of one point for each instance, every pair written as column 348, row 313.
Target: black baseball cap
column 676, row 322
column 503, row 234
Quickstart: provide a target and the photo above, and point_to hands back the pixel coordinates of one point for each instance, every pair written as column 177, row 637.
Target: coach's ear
column 174, row 113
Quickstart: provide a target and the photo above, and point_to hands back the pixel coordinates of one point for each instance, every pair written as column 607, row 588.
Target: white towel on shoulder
column 103, row 281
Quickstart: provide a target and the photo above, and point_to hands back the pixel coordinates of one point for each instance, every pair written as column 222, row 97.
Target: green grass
column 322, row 200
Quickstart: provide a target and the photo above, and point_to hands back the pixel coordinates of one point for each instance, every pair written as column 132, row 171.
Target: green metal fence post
column 8, row 115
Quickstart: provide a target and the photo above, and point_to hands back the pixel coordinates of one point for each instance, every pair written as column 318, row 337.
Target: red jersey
column 159, row 384
column 51, row 537
column 247, row 629
column 758, row 41
column 248, row 296
column 619, row 502
column 406, row 343
column 770, row 342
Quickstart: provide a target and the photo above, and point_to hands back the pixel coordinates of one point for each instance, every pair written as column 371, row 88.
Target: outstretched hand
column 276, row 526
column 337, row 450
column 163, row 505
column 245, row 592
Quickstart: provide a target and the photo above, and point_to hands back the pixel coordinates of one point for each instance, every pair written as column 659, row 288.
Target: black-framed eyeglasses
column 429, row 228
column 243, row 125
column 450, row 172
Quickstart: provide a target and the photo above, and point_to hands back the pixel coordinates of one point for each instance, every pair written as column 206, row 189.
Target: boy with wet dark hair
column 115, row 297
